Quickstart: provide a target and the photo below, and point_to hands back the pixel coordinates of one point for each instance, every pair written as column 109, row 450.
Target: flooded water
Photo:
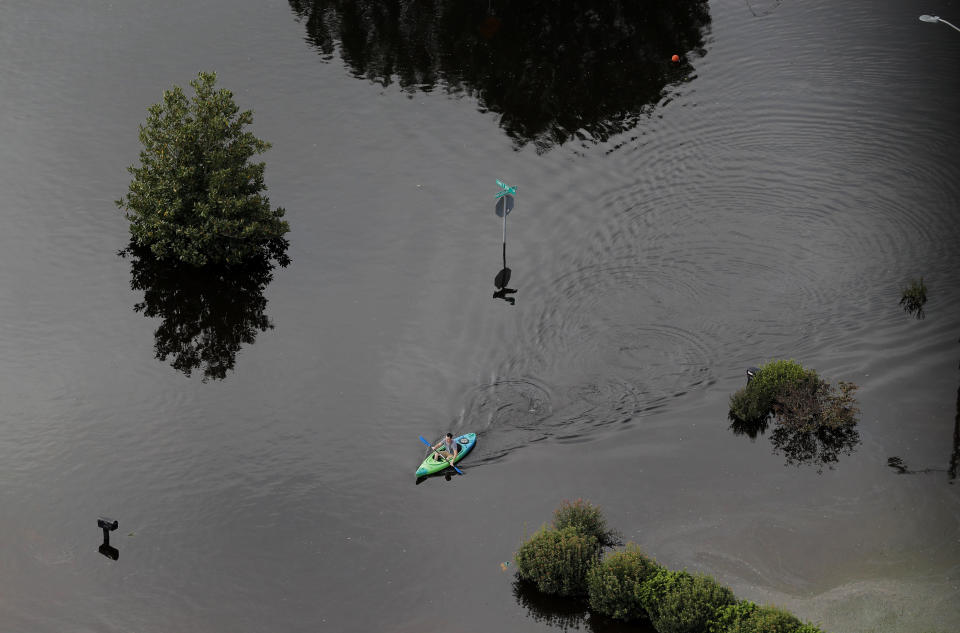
column 767, row 196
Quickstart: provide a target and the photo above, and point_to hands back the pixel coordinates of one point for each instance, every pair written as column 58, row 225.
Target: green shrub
column 678, row 602
column 613, row 585
column 557, row 561
column 586, row 518
column 729, row 619
column 757, row 399
column 747, row 617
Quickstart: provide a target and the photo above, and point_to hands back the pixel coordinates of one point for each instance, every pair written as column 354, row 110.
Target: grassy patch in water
column 913, row 297
column 757, row 399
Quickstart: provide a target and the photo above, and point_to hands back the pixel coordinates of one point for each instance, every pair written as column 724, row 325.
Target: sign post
column 504, row 206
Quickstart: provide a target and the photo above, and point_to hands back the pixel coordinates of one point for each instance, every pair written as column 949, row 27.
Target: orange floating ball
column 675, row 58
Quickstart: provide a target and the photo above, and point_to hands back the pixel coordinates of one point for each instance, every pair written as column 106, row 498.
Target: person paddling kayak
column 449, row 445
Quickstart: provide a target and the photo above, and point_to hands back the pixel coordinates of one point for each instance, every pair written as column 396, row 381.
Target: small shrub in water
column 557, row 561
column 747, row 617
column 913, row 297
column 678, row 602
column 613, row 585
column 757, row 399
column 586, row 518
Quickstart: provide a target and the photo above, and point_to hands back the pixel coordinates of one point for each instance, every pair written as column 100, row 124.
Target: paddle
column 438, row 452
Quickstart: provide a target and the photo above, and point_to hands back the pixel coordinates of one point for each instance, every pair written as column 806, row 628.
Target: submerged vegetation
column 680, row 602
column 758, row 399
column 557, row 561
column 747, row 617
column 614, row 585
column 628, row 585
column 586, row 518
column 203, row 238
column 913, row 298
column 814, row 421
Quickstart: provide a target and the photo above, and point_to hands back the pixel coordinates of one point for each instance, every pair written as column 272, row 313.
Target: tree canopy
column 196, row 197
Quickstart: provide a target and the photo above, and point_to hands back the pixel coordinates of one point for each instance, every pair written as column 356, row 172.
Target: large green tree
column 196, row 197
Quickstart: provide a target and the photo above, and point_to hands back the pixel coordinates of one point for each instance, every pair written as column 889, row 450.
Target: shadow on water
column 567, row 614
column 207, row 314
column 553, row 71
column 446, row 475
column 503, row 208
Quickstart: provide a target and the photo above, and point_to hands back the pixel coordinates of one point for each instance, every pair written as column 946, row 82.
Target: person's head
column 449, row 436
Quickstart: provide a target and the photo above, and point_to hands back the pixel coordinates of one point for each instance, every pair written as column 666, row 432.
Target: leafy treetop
column 195, row 196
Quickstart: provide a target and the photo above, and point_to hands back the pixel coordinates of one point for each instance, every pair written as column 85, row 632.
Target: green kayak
column 435, row 461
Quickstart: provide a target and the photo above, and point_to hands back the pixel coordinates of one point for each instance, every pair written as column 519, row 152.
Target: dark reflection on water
column 569, row 613
column 447, row 475
column 561, row 613
column 553, row 71
column 750, row 428
column 820, row 447
column 207, row 314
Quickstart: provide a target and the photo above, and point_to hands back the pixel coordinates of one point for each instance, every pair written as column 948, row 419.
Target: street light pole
column 933, row 19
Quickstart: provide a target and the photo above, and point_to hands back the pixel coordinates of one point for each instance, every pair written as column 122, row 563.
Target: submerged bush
column 678, row 602
column 557, row 561
column 747, row 617
column 815, row 421
column 586, row 518
column 614, row 584
column 757, row 399
column 564, row 561
column 913, row 297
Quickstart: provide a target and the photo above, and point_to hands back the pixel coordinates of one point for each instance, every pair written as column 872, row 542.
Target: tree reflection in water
column 816, row 445
column 821, row 446
column 553, row 71
column 560, row 613
column 207, row 313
